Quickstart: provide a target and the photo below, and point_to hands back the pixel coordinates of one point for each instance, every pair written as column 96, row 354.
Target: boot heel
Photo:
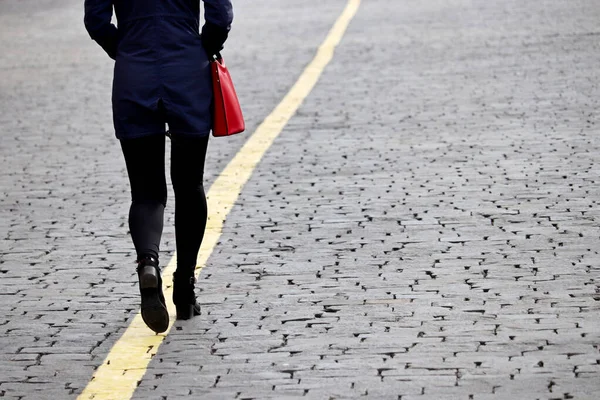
column 148, row 277
column 184, row 311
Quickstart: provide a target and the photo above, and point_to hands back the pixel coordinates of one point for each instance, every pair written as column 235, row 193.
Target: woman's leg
column 188, row 155
column 145, row 160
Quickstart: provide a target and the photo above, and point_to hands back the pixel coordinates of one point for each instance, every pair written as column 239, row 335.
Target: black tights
column 145, row 160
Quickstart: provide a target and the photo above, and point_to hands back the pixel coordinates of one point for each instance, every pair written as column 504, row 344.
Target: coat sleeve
column 219, row 13
column 97, row 20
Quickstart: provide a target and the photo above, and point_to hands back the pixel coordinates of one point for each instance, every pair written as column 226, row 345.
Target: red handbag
column 227, row 115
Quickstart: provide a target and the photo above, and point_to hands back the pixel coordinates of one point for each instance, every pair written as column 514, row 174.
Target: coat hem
column 122, row 136
column 190, row 134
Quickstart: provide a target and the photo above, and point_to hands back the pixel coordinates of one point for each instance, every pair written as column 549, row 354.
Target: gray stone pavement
column 426, row 227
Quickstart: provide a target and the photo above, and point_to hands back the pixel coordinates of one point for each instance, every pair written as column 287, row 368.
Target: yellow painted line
column 126, row 363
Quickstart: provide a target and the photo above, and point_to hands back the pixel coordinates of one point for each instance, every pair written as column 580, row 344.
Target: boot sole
column 154, row 312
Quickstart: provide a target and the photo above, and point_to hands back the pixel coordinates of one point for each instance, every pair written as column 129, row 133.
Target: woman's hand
column 213, row 37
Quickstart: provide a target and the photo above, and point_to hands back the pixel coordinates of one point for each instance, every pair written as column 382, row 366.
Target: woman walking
column 162, row 77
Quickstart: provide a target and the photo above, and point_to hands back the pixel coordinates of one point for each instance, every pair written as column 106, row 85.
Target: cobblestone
column 426, row 226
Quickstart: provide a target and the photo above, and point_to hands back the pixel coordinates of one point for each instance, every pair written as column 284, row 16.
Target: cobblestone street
column 427, row 225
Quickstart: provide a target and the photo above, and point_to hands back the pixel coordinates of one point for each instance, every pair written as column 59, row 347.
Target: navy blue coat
column 162, row 73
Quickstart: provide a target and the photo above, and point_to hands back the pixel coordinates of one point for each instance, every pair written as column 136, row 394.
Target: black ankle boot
column 184, row 297
column 154, row 310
